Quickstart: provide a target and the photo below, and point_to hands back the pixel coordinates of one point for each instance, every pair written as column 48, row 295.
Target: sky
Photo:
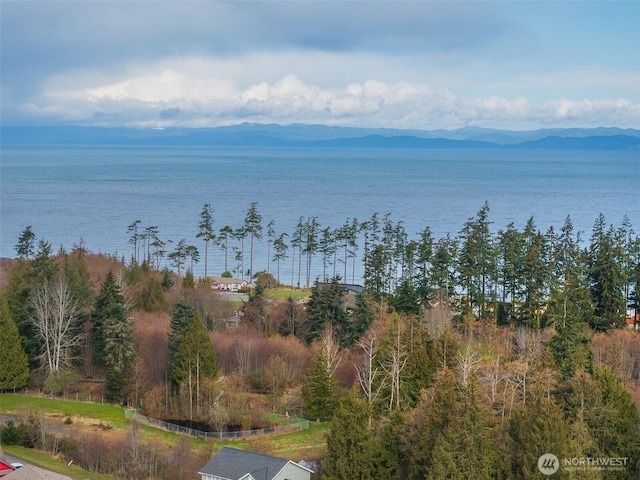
column 518, row 65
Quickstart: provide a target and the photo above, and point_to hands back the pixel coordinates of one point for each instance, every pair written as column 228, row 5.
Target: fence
column 289, row 425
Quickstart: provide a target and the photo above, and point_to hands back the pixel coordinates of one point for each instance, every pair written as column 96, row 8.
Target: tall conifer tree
column 14, row 363
column 109, row 302
column 350, row 443
column 181, row 320
column 320, row 388
column 194, row 362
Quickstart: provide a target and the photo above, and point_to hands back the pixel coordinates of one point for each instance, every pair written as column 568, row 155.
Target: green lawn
column 284, row 293
column 304, row 444
column 107, row 413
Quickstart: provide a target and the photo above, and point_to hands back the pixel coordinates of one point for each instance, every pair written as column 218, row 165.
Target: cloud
column 172, row 97
column 425, row 64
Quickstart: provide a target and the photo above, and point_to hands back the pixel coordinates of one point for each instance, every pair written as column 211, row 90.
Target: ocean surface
column 74, row 195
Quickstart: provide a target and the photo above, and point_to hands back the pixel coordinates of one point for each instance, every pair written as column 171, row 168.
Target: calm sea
column 92, row 195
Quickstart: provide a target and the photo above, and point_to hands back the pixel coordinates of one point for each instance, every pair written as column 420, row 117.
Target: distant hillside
column 614, row 142
column 297, row 135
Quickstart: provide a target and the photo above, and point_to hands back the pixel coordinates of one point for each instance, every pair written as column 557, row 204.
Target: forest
column 467, row 355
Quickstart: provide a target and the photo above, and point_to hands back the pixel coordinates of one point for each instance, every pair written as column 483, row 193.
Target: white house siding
column 293, row 471
column 210, row 477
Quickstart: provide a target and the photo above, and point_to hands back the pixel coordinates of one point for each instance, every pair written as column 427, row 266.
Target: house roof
column 227, row 280
column 233, row 464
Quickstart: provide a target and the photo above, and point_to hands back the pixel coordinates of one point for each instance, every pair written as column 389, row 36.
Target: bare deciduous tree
column 55, row 317
column 331, row 347
column 367, row 373
column 437, row 320
column 467, row 363
column 393, row 367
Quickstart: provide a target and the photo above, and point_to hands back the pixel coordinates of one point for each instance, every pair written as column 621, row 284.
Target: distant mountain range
column 298, row 135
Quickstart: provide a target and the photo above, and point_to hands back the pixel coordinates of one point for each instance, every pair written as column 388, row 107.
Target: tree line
column 526, row 276
column 426, row 403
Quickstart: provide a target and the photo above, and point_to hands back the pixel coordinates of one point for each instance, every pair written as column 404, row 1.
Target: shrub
column 15, row 435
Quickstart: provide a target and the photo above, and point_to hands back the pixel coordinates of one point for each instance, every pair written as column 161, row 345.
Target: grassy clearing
column 44, row 460
column 304, row 444
column 19, row 404
column 284, row 293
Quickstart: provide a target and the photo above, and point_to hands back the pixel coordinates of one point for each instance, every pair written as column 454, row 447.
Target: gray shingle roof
column 233, row 464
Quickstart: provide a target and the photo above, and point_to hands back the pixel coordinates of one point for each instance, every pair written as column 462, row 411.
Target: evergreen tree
column 77, row 275
column 25, row 248
column 420, row 366
column 614, row 423
column 326, row 307
column 327, row 248
column 224, row 235
column 44, row 264
column 255, row 309
column 153, row 296
column 607, row 278
column 630, row 244
column 181, row 320
column 535, row 275
column 443, row 269
column 270, row 239
column 206, row 232
column 390, row 461
column 437, row 410
column 511, row 253
column 279, row 253
column 605, row 407
column 350, row 443
column 253, row 227
column 14, row 363
column 188, row 282
column 119, row 352
column 179, row 255
column 18, row 292
column 376, row 278
column 571, row 348
column 310, row 240
column 406, row 298
column 320, row 387
column 167, row 281
column 109, row 303
column 195, row 361
column 360, row 319
column 467, row 448
column 539, row 427
column 476, row 259
column 134, row 240
column 583, row 444
column 424, row 259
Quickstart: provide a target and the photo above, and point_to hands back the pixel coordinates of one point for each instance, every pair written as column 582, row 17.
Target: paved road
column 235, row 297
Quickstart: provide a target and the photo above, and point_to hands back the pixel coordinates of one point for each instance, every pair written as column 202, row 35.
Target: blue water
column 93, row 194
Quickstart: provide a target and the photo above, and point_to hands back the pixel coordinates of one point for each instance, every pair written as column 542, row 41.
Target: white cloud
column 196, row 91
